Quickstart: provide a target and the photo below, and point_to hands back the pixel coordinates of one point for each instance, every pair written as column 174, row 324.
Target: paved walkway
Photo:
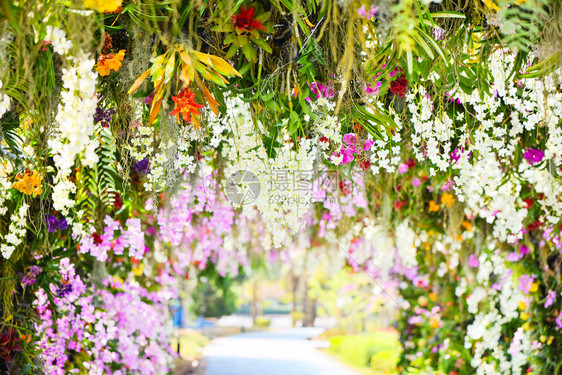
column 286, row 352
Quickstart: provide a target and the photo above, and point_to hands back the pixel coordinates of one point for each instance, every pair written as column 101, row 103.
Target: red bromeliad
column 186, row 105
column 245, row 22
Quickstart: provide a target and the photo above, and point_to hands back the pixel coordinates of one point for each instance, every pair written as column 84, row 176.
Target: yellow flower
column 534, row 287
column 117, row 280
column 543, row 338
column 433, row 207
column 550, row 339
column 103, row 5
column 492, row 5
column 522, row 305
column 524, row 316
column 29, row 183
column 447, row 199
column 433, row 296
column 434, row 322
column 137, row 271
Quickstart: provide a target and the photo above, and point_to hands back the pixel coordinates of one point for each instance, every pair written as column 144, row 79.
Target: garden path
column 284, row 352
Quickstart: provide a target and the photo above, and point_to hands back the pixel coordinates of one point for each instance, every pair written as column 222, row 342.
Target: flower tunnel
column 146, row 142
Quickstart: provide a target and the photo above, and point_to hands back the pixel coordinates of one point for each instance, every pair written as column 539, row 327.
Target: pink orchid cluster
column 132, row 238
column 201, row 219
column 116, row 330
column 322, row 90
column 353, row 147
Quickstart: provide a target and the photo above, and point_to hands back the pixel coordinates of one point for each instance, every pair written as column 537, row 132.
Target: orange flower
column 447, row 199
column 109, row 62
column 186, row 105
column 433, row 207
column 29, row 183
column 467, row 225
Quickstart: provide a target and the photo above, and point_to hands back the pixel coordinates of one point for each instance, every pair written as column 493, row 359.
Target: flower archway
column 144, row 141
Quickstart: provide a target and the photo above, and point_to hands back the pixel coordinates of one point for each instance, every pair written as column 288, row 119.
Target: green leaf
column 230, row 38
column 447, row 14
column 231, row 52
column 263, row 44
column 434, row 44
column 249, row 52
column 423, row 44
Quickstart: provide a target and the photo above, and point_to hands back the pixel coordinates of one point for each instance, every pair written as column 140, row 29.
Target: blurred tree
column 213, row 295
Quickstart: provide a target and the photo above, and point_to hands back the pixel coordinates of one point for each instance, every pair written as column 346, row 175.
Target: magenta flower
column 322, row 90
column 347, row 155
column 395, row 71
column 455, row 155
column 533, row 155
column 550, row 297
column 403, row 168
column 524, row 250
column 373, row 90
column 416, row 182
column 149, row 98
column 350, row 139
column 368, row 144
column 473, row 261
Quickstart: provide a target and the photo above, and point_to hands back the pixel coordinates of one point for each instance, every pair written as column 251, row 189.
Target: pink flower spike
column 362, row 12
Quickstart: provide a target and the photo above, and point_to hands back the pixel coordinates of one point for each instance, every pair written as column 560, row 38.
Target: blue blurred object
column 177, row 313
column 200, row 322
